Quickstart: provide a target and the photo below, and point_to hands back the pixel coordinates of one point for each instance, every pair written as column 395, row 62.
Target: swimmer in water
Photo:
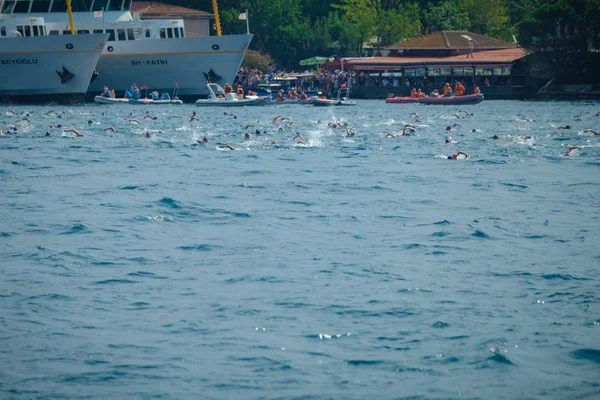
column 495, row 137
column 349, row 133
column 570, row 149
column 23, row 120
column 449, row 127
column 249, row 126
column 111, row 129
column 147, row 134
column 390, row 135
column 246, row 136
column 11, row 112
column 257, row 132
column 47, row 133
column 333, row 125
column 194, row 117
column 75, row 131
column 459, row 155
column 564, row 127
column 591, row 131
column 135, row 121
column 449, row 140
column 226, row 146
column 408, row 130
column 467, row 114
column 152, row 117
column 90, row 122
column 55, row 126
column 299, row 137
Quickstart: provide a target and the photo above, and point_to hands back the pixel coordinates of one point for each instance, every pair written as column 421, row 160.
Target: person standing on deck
column 470, row 53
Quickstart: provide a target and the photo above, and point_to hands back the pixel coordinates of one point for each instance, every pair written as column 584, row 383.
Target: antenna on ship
column 217, row 19
column 70, row 12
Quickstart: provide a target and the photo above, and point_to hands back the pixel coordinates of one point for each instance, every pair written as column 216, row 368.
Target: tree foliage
column 291, row 30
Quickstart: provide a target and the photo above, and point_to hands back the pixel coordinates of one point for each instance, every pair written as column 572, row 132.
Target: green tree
column 395, row 25
column 446, row 16
column 488, row 17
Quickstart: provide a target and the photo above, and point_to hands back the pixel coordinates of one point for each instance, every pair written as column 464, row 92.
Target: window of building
column 83, row 31
column 20, row 30
column 121, row 34
column 162, row 33
column 130, row 35
column 98, row 31
column 170, row 33
column 3, row 31
column 176, row 32
column 53, row 32
column 27, row 30
column 36, row 32
column 111, row 35
column 40, row 6
column 181, row 31
column 66, row 32
column 21, row 7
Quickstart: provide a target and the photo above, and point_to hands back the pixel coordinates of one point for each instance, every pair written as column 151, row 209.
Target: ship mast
column 217, row 19
column 70, row 12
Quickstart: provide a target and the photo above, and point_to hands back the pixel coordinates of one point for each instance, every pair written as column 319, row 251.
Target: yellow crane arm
column 70, row 12
column 217, row 19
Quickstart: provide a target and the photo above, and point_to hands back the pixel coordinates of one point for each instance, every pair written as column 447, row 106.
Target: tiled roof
column 491, row 56
column 155, row 8
column 452, row 40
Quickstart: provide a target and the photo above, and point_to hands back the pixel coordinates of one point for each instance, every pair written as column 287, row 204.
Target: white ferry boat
column 154, row 52
column 38, row 67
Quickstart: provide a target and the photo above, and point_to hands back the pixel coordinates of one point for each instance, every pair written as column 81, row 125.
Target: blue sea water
column 365, row 267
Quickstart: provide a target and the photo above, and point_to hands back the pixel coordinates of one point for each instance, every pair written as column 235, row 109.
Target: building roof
column 452, row 40
column 156, row 9
column 491, row 57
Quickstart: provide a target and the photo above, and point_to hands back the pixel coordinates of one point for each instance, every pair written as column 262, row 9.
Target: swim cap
column 450, row 158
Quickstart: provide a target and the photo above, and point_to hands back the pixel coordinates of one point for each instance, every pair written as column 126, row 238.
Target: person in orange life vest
column 447, row 89
column 420, row 93
column 413, row 93
column 459, row 88
column 227, row 88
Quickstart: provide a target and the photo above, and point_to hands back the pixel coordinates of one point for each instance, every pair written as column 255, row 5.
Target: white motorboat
column 218, row 98
column 343, row 99
column 154, row 102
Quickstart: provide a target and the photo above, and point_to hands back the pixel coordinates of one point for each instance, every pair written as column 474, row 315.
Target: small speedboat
column 401, row 100
column 218, row 98
column 342, row 100
column 109, row 100
column 468, row 99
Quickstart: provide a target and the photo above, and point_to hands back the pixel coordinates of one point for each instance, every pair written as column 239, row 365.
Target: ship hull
column 48, row 68
column 161, row 64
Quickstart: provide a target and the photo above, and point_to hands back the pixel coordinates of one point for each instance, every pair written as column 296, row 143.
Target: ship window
column 78, row 5
column 176, row 32
column 127, row 5
column 98, row 5
column 181, row 30
column 147, row 32
column 83, row 32
column 21, row 6
column 59, row 6
column 130, row 35
column 27, row 30
column 7, row 7
column 97, row 30
column 170, row 33
column 20, row 30
column 162, row 33
column 66, row 32
column 111, row 36
column 40, row 6
column 121, row 34
column 114, row 5
column 35, row 30
column 53, row 32
column 3, row 31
